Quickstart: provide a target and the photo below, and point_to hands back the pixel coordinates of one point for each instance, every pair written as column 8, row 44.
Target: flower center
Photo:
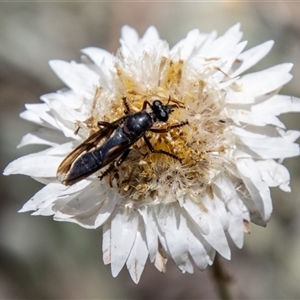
column 200, row 146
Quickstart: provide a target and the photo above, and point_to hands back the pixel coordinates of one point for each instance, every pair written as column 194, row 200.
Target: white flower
column 155, row 205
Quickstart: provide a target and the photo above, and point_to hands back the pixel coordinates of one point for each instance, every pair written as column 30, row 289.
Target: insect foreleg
column 127, row 109
column 145, row 105
column 168, row 128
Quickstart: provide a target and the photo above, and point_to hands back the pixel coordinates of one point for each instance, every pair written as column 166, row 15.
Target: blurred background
column 43, row 259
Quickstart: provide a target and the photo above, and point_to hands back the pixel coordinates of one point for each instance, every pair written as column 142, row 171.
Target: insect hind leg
column 110, row 168
column 160, row 151
column 113, row 166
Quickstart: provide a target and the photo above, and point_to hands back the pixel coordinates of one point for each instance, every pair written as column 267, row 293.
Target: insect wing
column 90, row 143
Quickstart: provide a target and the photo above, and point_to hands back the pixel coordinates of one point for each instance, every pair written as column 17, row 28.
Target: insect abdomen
column 84, row 166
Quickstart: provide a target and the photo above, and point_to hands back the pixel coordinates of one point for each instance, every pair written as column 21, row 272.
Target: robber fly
column 120, row 135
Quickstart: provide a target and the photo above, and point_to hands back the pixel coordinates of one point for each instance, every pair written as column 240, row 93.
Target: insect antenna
column 176, row 105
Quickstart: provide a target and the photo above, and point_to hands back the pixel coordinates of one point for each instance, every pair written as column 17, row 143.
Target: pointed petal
column 262, row 118
column 257, row 188
column 151, row 231
column 76, row 76
column 138, row 254
column 39, row 164
column 43, row 136
column 277, row 105
column 197, row 214
column 172, row 226
column 274, row 174
column 235, row 207
column 49, row 194
column 200, row 250
column 98, row 55
column 250, row 57
column 123, row 233
column 264, row 146
column 216, row 237
column 106, row 246
column 266, row 81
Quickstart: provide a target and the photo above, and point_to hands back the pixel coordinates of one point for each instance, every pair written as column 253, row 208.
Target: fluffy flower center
column 201, row 145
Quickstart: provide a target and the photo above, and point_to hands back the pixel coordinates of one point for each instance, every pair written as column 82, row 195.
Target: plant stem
column 222, row 280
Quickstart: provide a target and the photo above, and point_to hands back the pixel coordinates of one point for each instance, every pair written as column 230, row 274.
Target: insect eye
column 157, row 103
column 163, row 114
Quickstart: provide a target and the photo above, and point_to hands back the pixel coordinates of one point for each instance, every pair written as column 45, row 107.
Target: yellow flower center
column 201, row 145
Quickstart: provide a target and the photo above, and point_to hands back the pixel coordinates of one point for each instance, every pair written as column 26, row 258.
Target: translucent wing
column 90, row 143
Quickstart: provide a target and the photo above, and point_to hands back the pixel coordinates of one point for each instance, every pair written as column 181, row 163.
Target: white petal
column 35, row 165
column 266, row 81
column 129, row 35
column 277, row 105
column 235, row 228
column 223, row 44
column 32, row 116
column 107, row 208
column 197, row 214
column 216, row 209
column 242, row 97
column 234, row 204
column 250, row 57
column 123, row 233
column 84, row 201
column 274, row 174
column 44, row 197
column 187, row 46
column 257, row 188
column 63, row 149
column 225, row 64
column 200, row 250
column 67, row 98
column 150, row 37
column 173, row 228
column 65, row 117
column 40, row 114
column 262, row 118
column 76, row 76
column 43, row 136
column 289, row 135
column 151, row 231
column 138, row 254
column 98, row 55
column 264, row 146
column 106, row 246
column 216, row 237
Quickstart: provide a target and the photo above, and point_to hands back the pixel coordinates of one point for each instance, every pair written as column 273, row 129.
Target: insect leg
column 145, row 104
column 159, row 151
column 123, row 157
column 127, row 109
column 112, row 166
column 103, row 124
column 168, row 128
column 107, row 171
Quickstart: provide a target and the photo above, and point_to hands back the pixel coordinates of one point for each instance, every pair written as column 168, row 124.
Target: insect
column 118, row 137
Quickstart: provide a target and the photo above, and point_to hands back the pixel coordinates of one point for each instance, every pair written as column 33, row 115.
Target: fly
column 120, row 135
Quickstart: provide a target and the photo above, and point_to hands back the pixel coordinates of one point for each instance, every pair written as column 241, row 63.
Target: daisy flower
column 224, row 141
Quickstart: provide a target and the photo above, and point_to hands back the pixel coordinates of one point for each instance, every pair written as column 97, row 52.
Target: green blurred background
column 43, row 259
